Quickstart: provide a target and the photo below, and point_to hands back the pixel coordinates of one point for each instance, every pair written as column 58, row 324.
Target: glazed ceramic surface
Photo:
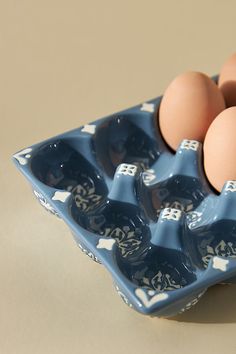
column 147, row 214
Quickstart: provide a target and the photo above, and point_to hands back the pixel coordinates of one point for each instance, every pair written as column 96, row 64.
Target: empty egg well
column 119, row 216
column 120, row 140
column 165, row 263
column 174, row 235
column 59, row 166
column 176, row 180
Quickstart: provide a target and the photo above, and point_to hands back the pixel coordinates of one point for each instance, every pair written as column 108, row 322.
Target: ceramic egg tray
column 147, row 214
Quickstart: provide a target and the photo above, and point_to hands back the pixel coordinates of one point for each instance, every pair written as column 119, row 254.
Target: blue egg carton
column 146, row 213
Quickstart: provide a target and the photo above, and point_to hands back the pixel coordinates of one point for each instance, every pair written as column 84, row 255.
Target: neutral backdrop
column 63, row 64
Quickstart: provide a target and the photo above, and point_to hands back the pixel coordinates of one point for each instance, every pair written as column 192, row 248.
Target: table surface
column 63, row 64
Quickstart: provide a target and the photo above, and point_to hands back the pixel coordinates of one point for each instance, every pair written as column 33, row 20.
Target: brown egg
column 220, row 149
column 188, row 107
column 227, row 81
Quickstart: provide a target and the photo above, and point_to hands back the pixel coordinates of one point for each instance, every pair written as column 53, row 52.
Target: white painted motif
column 85, row 195
column 222, row 249
column 164, row 281
column 230, row 186
column 127, row 169
column 148, row 176
column 88, row 253
column 23, row 156
column 126, row 238
column 123, row 297
column 106, row 243
column 171, row 214
column 148, row 107
column 192, row 302
column 181, row 204
column 61, row 196
column 219, row 263
column 89, row 128
column 150, row 297
column 44, row 203
column 189, row 144
column 194, row 218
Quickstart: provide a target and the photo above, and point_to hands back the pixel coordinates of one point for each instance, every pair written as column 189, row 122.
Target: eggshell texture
column 188, row 107
column 227, row 81
column 220, row 149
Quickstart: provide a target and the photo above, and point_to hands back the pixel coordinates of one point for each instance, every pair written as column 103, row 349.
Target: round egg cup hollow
column 146, row 213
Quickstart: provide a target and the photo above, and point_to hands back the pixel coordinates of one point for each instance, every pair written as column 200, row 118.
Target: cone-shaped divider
column 187, row 160
column 212, row 227
column 169, row 229
column 124, row 184
column 226, row 207
column 182, row 185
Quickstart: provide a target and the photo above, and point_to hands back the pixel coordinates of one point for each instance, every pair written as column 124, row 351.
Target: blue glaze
column 147, row 214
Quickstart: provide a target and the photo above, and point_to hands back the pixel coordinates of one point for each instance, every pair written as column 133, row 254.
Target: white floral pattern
column 181, row 204
column 85, row 196
column 189, row 145
column 150, row 297
column 61, row 196
column 126, row 239
column 123, row 297
column 127, row 169
column 148, row 176
column 193, row 218
column 89, row 253
column 106, row 243
column 192, row 302
column 45, row 203
column 171, row 214
column 164, row 281
column 220, row 263
column 23, row 156
column 148, row 107
column 230, row 186
column 89, row 128
column 222, row 249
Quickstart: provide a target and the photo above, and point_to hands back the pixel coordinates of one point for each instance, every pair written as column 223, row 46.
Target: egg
column 227, row 81
column 189, row 105
column 220, row 149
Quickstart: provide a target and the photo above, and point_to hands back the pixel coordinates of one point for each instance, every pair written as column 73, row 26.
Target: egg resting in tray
column 148, row 214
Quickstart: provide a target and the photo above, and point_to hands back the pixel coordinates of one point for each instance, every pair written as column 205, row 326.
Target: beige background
column 64, row 63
